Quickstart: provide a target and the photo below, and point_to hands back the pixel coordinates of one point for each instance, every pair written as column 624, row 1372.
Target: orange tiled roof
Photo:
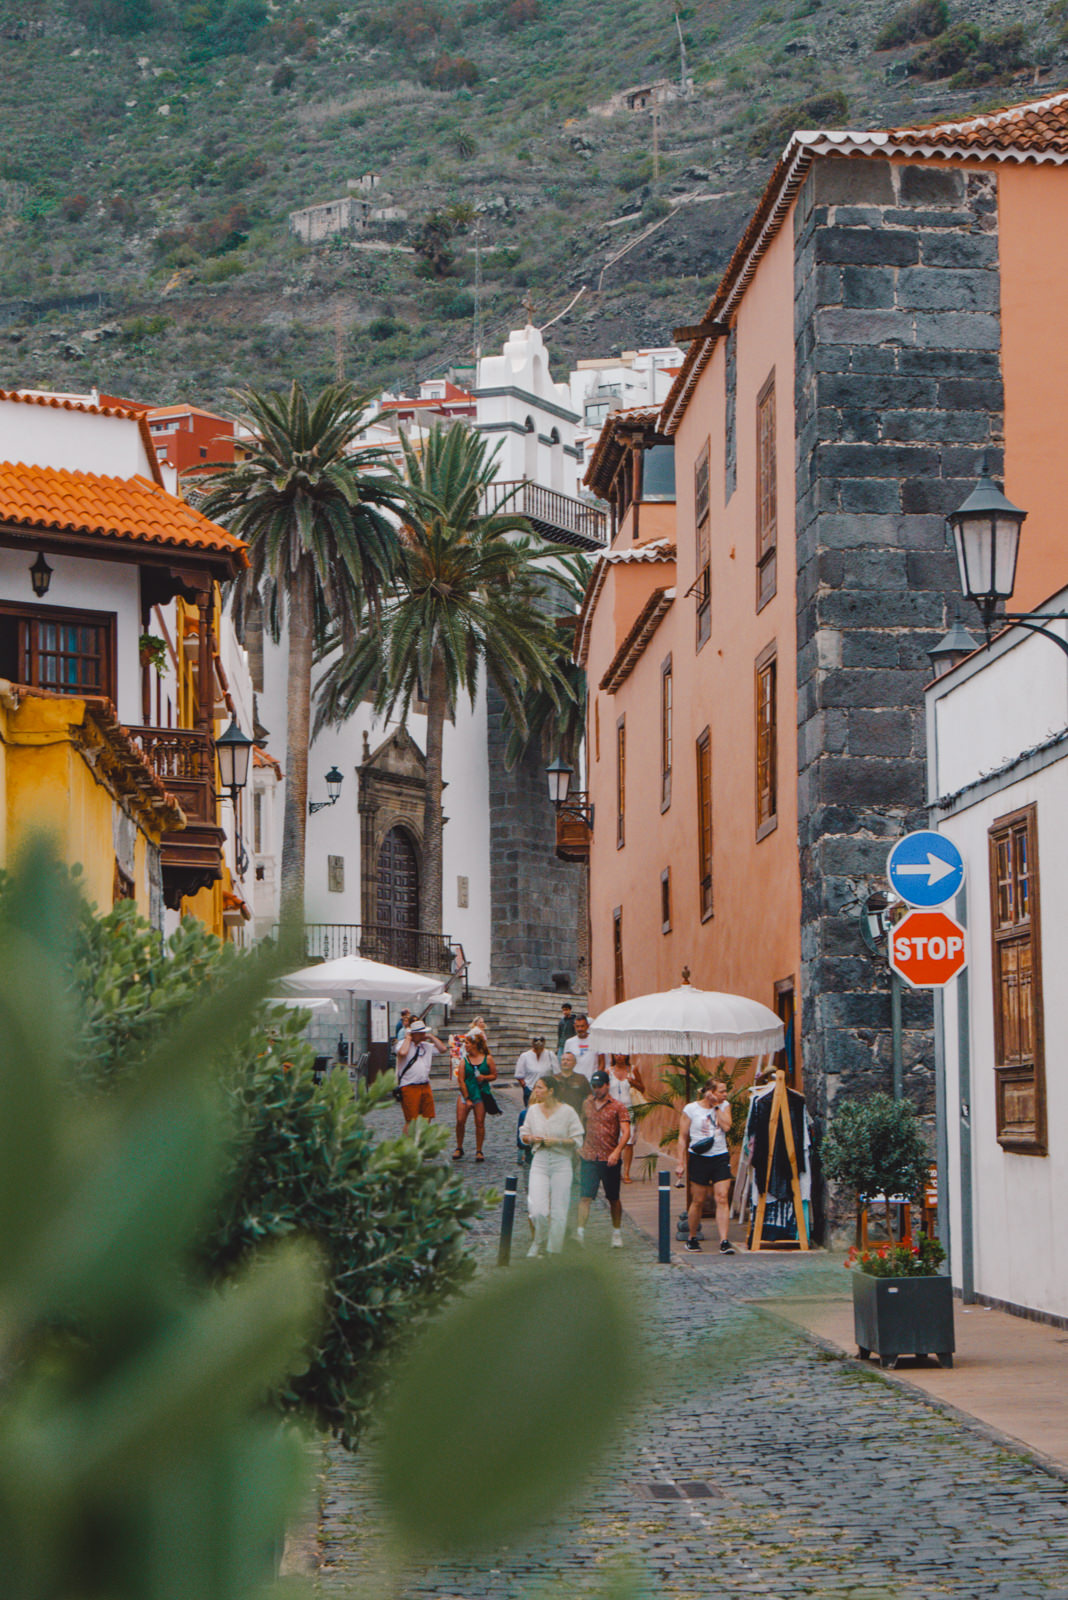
column 606, row 451
column 260, row 758
column 1036, row 131
column 129, row 510
column 104, row 405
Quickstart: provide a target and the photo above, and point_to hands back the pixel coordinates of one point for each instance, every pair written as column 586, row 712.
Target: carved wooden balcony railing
column 573, row 832
column 191, row 857
column 560, row 518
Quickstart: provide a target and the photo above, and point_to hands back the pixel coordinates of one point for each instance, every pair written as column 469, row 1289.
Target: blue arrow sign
column 926, row 869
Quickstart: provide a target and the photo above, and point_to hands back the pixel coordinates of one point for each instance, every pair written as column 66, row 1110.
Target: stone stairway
column 512, row 1017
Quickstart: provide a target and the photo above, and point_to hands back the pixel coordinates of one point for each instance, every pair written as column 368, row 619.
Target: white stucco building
column 997, row 739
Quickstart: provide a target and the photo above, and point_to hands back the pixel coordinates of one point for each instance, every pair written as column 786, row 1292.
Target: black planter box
column 903, row 1317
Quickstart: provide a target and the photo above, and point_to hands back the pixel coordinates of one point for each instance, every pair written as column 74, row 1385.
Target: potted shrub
column 902, row 1305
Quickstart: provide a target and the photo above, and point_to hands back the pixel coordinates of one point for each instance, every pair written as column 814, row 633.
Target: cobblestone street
column 825, row 1479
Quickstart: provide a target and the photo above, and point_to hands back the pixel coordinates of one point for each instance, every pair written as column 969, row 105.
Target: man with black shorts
column 704, row 1157
column 607, row 1132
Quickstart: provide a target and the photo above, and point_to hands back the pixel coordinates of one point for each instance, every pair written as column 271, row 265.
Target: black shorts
column 706, row 1170
column 595, row 1173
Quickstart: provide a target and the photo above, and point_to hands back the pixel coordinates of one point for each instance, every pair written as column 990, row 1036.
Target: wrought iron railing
column 557, row 516
column 573, row 831
column 183, row 759
column 418, row 949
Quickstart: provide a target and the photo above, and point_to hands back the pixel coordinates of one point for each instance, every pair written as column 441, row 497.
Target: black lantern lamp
column 559, row 775
column 951, row 649
column 334, row 780
column 986, row 534
column 40, row 576
column 234, row 750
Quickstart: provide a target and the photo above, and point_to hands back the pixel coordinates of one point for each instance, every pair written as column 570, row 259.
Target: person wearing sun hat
column 414, row 1056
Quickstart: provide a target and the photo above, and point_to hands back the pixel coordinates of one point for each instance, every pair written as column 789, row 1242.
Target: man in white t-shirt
column 415, row 1054
column 535, row 1063
column 704, row 1156
column 580, row 1047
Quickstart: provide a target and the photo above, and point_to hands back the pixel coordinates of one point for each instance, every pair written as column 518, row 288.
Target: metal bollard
column 504, row 1249
column 663, row 1200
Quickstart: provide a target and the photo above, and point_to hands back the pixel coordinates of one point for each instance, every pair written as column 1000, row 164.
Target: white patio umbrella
column 360, row 979
column 688, row 1022
column 318, row 1003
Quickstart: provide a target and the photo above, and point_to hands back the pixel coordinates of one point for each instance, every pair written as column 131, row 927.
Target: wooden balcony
column 560, row 518
column 191, row 857
column 573, row 832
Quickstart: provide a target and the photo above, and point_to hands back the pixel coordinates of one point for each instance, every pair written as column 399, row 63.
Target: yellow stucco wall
column 47, row 785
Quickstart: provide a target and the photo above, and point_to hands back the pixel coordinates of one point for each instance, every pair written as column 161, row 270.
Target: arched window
column 398, row 898
column 555, row 436
column 528, row 426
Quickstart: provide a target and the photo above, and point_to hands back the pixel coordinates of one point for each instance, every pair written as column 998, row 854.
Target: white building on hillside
column 997, row 740
column 604, row 384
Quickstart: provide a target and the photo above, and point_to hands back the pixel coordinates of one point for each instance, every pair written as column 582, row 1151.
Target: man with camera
column 415, row 1053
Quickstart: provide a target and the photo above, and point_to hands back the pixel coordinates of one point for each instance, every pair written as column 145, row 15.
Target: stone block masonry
column 898, row 395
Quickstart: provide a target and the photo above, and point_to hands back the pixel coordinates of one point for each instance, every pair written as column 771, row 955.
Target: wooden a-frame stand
column 780, row 1113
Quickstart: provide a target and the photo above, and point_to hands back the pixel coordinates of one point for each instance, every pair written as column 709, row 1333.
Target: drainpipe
column 964, row 1072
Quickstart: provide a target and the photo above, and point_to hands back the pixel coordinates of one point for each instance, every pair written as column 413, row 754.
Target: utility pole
column 478, row 300
column 656, row 144
column 684, row 76
column 339, row 345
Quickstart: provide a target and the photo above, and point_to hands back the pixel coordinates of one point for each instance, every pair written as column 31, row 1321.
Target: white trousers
column 548, row 1195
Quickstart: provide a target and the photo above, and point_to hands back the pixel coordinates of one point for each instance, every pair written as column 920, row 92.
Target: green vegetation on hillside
column 153, row 154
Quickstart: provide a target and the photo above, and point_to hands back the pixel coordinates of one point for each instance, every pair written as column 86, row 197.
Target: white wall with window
column 997, row 729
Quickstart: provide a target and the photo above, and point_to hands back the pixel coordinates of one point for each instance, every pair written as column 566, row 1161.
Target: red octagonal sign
column 927, row 949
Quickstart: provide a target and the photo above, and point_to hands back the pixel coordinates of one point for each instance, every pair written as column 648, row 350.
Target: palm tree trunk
column 298, row 720
column 431, row 897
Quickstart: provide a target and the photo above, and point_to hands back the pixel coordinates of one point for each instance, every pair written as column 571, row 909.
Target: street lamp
column 559, row 775
column 986, row 533
column 951, row 649
column 334, row 780
column 40, row 575
column 233, row 751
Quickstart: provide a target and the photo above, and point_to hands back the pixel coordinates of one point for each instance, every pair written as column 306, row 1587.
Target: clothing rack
column 780, row 1116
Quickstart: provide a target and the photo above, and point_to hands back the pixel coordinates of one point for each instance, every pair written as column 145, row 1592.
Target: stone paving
column 826, row 1480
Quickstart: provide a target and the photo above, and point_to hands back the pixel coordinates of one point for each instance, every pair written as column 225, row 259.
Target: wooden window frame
column 1009, row 1075
column 767, row 495
column 667, row 732
column 702, row 503
column 596, row 728
column 785, row 990
column 104, row 620
column 705, row 825
column 665, row 900
column 618, row 974
column 767, row 822
column 621, row 781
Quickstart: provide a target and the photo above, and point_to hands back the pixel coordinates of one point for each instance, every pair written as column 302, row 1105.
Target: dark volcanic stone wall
column 534, row 898
column 898, row 393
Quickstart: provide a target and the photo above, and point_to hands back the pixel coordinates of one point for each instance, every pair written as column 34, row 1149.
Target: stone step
column 512, row 1018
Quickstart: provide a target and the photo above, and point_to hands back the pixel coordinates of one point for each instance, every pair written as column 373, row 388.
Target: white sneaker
column 617, row 1239
column 535, row 1250
column 580, row 1235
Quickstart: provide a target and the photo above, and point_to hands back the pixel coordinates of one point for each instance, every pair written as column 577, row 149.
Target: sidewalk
column 1010, row 1375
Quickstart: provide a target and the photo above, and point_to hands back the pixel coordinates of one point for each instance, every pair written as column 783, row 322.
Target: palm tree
column 557, row 720
column 309, row 499
column 467, row 596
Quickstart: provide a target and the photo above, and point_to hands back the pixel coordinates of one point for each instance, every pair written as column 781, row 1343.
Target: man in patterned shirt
column 607, row 1132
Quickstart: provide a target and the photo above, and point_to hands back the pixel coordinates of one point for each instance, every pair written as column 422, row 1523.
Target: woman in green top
column 475, row 1071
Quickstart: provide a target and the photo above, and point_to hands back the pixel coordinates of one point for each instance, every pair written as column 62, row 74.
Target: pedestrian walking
column 625, row 1084
column 565, row 1027
column 415, row 1053
column 569, row 1084
column 607, row 1129
column 553, row 1130
column 704, row 1157
column 580, row 1047
column 535, row 1063
column 476, row 1071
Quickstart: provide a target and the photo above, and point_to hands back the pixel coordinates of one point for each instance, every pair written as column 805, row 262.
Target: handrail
column 183, row 758
column 549, row 509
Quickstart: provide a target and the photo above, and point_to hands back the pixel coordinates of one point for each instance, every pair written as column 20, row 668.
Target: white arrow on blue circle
column 933, row 869
column 925, row 868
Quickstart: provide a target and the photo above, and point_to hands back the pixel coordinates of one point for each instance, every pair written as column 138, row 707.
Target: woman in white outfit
column 554, row 1131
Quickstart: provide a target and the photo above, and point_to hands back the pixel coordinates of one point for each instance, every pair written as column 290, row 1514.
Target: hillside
column 153, row 150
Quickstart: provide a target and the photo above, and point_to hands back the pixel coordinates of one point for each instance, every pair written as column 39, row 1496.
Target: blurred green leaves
column 505, row 1404
column 135, row 1455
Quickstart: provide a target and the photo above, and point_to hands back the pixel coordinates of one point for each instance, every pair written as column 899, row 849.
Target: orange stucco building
column 756, row 646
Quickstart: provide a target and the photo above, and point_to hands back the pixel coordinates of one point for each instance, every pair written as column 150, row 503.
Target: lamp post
column 233, row 750
column 986, row 537
column 559, row 774
column 951, row 649
column 40, row 575
column 334, row 780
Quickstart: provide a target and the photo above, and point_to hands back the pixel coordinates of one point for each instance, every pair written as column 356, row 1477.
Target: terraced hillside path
column 822, row 1480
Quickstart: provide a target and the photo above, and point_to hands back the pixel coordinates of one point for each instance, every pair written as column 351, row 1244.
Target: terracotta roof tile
column 129, row 510
column 105, row 405
column 655, row 550
column 1036, row 131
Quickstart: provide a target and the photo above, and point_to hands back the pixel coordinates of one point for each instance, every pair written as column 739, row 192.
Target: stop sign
column 927, row 949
